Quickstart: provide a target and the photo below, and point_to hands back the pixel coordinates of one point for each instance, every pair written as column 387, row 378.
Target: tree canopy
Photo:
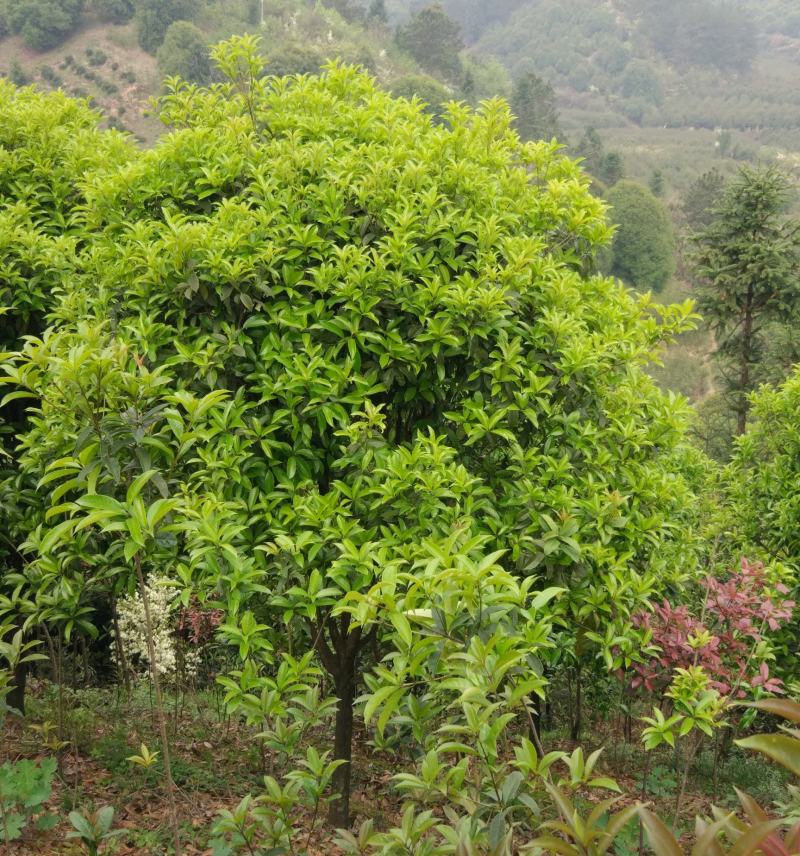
column 702, row 32
column 533, row 102
column 747, row 262
column 311, row 340
column 643, row 248
column 184, row 52
column 763, row 474
column 43, row 23
column 153, row 18
column 434, row 40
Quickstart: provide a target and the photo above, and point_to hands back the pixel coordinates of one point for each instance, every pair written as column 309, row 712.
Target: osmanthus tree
column 48, row 142
column 402, row 352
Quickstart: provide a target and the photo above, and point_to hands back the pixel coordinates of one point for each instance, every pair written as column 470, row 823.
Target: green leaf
column 138, row 484
column 81, row 824
column 101, row 502
column 48, row 820
column 604, row 782
column 782, row 707
column 782, row 748
column 661, row 839
column 402, row 627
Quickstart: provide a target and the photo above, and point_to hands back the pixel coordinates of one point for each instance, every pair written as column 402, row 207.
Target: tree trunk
column 339, row 813
column 577, row 722
column 16, row 698
column 536, row 709
column 744, row 366
column 339, row 658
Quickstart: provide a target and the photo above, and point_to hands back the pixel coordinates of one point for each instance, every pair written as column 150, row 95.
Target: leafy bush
column 738, row 614
column 153, row 18
column 114, row 11
column 434, row 40
column 96, row 56
column 644, row 246
column 43, row 24
column 184, row 52
column 411, row 371
column 25, row 788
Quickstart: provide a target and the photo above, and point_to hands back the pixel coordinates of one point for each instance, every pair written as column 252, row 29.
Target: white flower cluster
column 170, row 658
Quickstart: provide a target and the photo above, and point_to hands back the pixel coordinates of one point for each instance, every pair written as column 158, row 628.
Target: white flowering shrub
column 173, row 660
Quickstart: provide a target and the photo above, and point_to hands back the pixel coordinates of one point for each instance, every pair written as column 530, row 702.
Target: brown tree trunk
column 577, row 722
column 744, row 366
column 16, row 698
column 339, row 658
column 339, row 813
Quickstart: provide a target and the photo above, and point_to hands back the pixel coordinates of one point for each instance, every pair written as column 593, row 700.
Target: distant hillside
column 684, row 63
column 103, row 58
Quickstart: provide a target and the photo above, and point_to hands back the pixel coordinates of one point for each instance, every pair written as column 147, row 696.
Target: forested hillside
column 348, row 500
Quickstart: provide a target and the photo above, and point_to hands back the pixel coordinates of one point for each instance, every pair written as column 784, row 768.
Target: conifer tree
column 747, row 264
column 533, row 102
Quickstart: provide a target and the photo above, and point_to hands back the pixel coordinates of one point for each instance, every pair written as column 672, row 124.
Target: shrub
column 96, row 56
column 25, row 788
column 43, row 24
column 421, row 369
column 184, row 53
column 114, row 11
column 153, row 18
column 644, row 246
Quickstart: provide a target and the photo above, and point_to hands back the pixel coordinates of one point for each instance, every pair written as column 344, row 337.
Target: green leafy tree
column 747, row 263
column 641, row 81
column 592, row 150
column 153, row 18
column 51, row 141
column 702, row 198
column 644, row 247
column 533, row 102
column 184, row 52
column 114, row 11
column 605, row 166
column 656, row 183
column 427, row 89
column 762, row 476
column 434, row 40
column 351, row 350
column 612, row 168
column 43, row 24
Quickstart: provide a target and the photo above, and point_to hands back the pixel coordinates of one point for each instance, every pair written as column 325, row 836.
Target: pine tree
column 747, row 264
column 533, row 102
column 434, row 40
column 702, row 198
column 656, row 183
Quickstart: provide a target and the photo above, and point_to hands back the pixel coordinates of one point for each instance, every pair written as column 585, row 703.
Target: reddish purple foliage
column 198, row 625
column 737, row 611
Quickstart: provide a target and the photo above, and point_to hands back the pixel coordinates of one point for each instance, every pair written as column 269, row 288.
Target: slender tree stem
column 160, row 716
